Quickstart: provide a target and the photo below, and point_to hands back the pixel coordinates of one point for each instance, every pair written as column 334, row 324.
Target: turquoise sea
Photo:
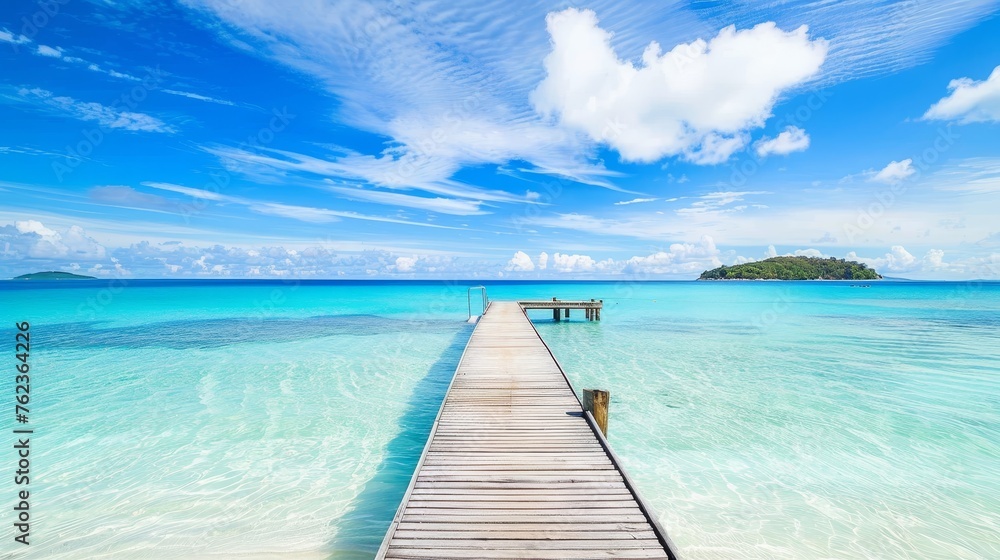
column 761, row 420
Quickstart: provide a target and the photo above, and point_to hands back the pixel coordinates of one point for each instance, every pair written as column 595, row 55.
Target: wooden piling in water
column 596, row 402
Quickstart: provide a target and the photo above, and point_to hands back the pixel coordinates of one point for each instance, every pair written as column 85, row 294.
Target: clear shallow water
column 761, row 420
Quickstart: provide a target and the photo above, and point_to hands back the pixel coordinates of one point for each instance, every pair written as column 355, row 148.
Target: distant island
column 53, row 275
column 793, row 268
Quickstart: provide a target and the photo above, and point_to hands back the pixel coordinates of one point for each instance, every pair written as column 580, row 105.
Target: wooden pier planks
column 513, row 468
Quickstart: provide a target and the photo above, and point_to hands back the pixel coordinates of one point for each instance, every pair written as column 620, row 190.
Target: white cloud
column 815, row 253
column 300, row 213
column 442, row 112
column 437, row 204
column 898, row 259
column 521, row 262
column 34, row 226
column 717, row 202
column 30, row 245
column 45, row 50
column 697, row 100
column 934, row 259
column 407, row 172
column 8, row 37
column 581, row 263
column 792, row 139
column 308, row 214
column 107, row 117
column 969, row 101
column 188, row 191
column 680, row 258
column 31, row 239
column 197, row 96
column 895, row 172
column 405, row 264
column 635, row 201
column 573, row 263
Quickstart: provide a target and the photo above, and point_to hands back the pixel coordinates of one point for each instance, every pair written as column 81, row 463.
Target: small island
column 794, row 268
column 53, row 275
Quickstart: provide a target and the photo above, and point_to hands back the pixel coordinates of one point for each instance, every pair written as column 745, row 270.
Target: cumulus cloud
column 33, row 240
column 405, row 264
column 577, row 263
column 895, row 172
column 698, row 100
column 792, row 139
column 898, row 259
column 31, row 245
column 679, row 258
column 521, row 262
column 969, row 101
column 816, row 253
column 543, row 260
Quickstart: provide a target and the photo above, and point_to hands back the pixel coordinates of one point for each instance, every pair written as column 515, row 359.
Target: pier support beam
column 555, row 314
column 567, row 313
column 596, row 402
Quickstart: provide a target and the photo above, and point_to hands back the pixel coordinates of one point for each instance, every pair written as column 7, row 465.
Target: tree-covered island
column 794, row 268
column 53, row 275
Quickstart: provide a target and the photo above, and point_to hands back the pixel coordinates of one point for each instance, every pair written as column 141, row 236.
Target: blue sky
column 490, row 139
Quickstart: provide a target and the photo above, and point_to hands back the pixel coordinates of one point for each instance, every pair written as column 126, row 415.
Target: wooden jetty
column 592, row 308
column 514, row 468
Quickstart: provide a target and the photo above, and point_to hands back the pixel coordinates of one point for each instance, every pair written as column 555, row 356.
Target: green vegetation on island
column 53, row 275
column 794, row 268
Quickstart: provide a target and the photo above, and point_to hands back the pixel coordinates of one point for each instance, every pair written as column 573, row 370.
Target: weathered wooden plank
column 517, row 527
column 566, row 554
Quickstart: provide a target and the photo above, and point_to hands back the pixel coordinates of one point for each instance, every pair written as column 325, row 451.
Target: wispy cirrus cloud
column 438, row 204
column 109, row 117
column 405, row 173
column 635, row 201
column 7, row 36
column 866, row 37
column 719, row 202
column 310, row 214
column 453, row 92
column 198, row 96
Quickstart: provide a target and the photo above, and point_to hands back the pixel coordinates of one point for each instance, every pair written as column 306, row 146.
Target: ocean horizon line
column 497, row 281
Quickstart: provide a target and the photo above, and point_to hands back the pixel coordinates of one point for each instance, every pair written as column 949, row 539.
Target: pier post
column 596, row 401
column 555, row 314
column 567, row 313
